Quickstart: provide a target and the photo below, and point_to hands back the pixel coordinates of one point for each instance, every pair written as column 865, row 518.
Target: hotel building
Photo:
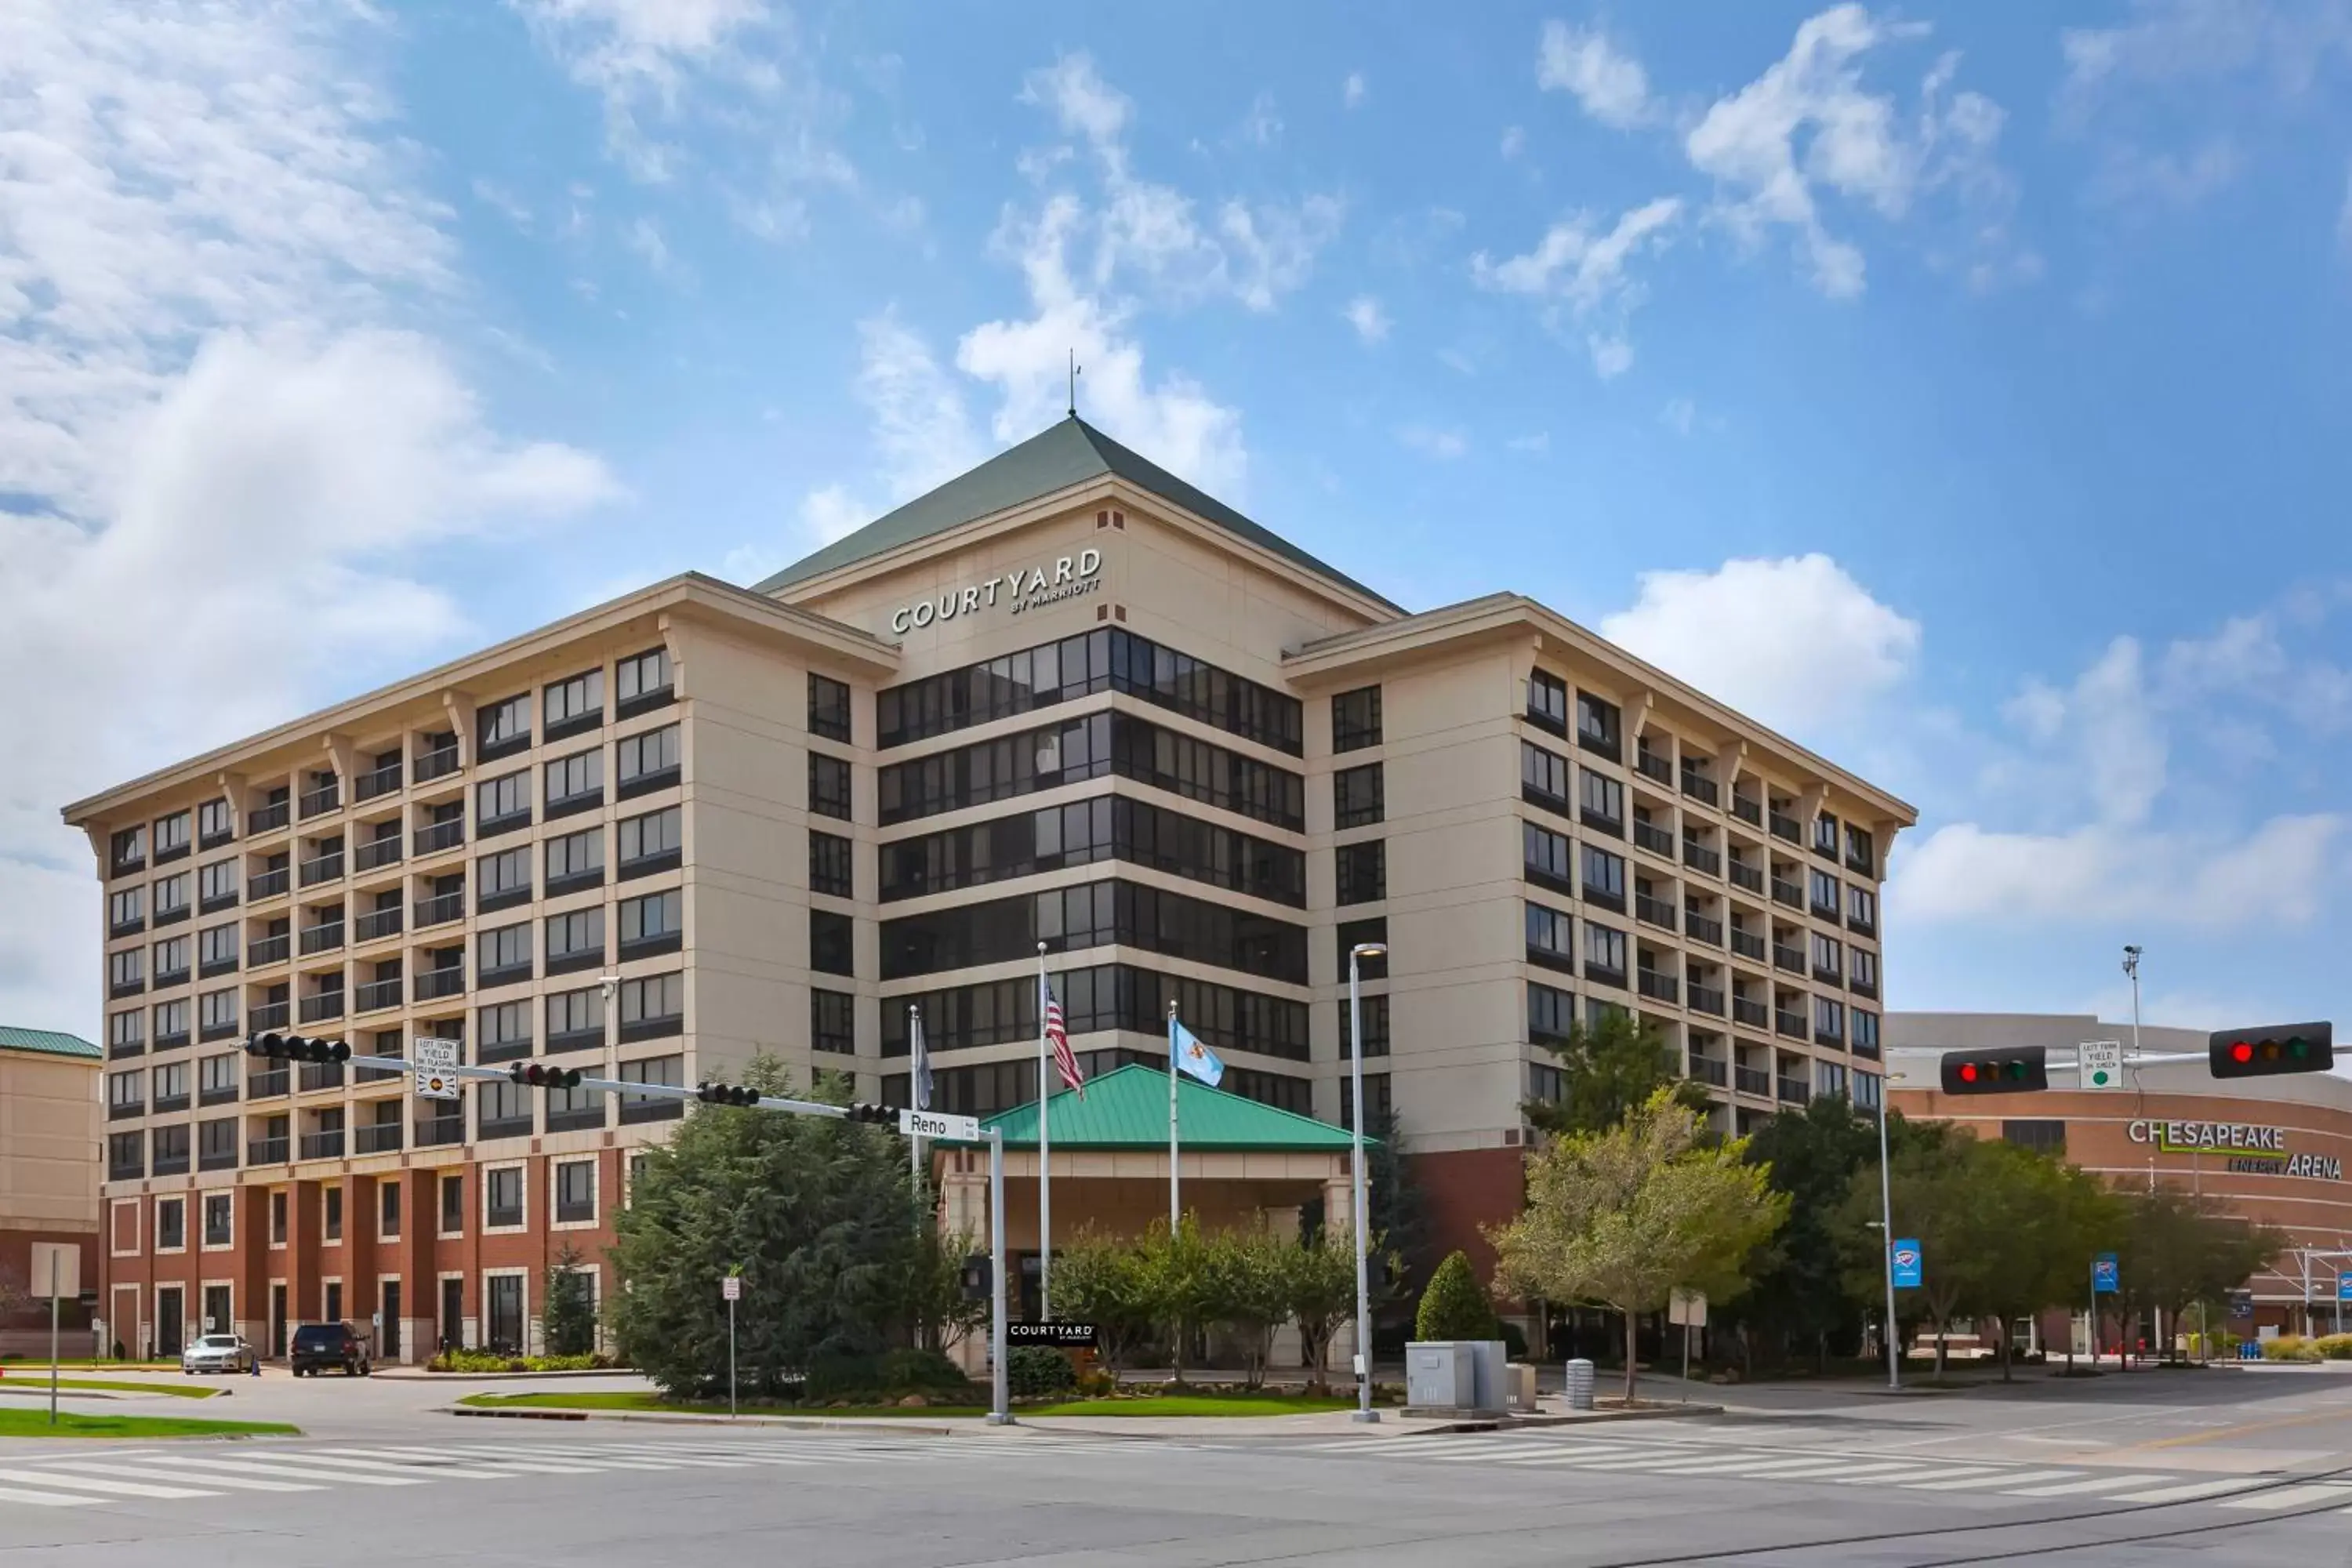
column 1066, row 699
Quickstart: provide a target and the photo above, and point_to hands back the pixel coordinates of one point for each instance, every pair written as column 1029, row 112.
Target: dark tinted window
column 1356, row 719
column 1083, row 832
column 1094, row 914
column 828, row 713
column 1357, row 795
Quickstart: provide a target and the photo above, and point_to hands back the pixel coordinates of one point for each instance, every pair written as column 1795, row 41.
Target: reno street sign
column 1026, row 588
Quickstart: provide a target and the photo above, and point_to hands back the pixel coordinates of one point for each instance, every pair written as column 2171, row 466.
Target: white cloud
column 1678, row 415
column 1262, row 127
column 1515, row 142
column 641, row 56
column 503, row 202
column 1443, row 444
column 923, row 433
column 1364, row 314
column 1796, row 641
column 1353, row 91
column 212, row 427
column 643, row 238
column 1083, row 103
column 1612, row 86
column 1583, row 271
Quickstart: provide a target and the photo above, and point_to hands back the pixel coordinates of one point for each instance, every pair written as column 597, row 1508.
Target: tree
column 1800, row 1292
column 1455, row 1306
column 567, row 1321
column 1621, row 1217
column 1100, row 1280
column 1320, row 1286
column 1608, row 1069
column 1178, row 1284
column 1927, row 1177
column 816, row 1212
column 1251, row 1295
column 2040, row 1221
column 940, row 1315
column 1392, row 1212
column 2174, row 1247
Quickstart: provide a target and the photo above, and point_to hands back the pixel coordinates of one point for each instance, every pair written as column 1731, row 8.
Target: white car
column 216, row 1353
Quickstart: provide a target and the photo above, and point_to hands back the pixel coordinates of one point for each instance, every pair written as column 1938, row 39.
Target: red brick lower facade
column 1461, row 1192
column 452, row 1253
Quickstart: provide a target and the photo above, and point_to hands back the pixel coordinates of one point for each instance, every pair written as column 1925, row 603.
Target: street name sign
column 936, row 1124
column 2101, row 1063
column 435, row 1063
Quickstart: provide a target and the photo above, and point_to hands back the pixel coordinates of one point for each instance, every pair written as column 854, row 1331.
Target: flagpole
column 1174, row 1219
column 1045, row 1156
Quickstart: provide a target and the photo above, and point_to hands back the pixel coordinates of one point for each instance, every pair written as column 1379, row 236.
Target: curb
column 684, row 1418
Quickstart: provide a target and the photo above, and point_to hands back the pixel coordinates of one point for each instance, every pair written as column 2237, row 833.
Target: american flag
column 1065, row 1062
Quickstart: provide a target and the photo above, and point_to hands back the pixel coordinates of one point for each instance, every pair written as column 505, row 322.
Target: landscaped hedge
column 1039, row 1371
column 487, row 1361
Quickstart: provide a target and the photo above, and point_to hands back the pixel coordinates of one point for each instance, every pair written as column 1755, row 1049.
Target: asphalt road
column 2219, row 1468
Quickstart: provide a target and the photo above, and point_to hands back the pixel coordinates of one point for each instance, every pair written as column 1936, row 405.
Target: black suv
column 317, row 1345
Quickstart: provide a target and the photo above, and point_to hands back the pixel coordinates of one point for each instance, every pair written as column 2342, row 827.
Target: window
column 1860, row 851
column 171, row 898
column 1352, row 934
column 1362, row 871
column 828, row 711
column 575, row 704
column 1865, row 1032
column 127, row 970
column 1356, row 796
column 126, row 1092
column 1545, row 854
column 218, row 1010
column 502, row 880
column 505, row 727
column 828, row 786
column 2042, row 1136
column 1604, row 877
column 829, row 864
column 216, row 1213
column 171, row 1224
column 502, row 802
column 1376, row 1026
column 387, row 1210
column 277, row 1218
column 1550, row 937
column 575, row 940
column 172, row 961
column 1825, row 893
column 127, row 910
column 216, row 1145
column 575, row 1019
column 1101, row 997
column 574, row 1109
column 654, row 918
column 653, row 1005
column 1102, row 829
column 575, row 860
column 502, row 1196
column 172, row 835
column 1095, row 914
column 502, row 955
column 453, row 1204
column 1548, row 701
column 575, row 781
column 1602, row 800
column 126, row 1032
column 217, row 883
column 216, row 948
column 332, row 1205
column 172, row 1087
column 668, row 1070
column 1825, row 834
column 648, row 761
column 504, row 1030
column 126, row 1156
column 1552, row 1013
column 1862, row 908
column 832, row 943
column 1356, row 719
column 652, row 837
column 218, row 1075
column 1863, row 975
column 501, row 1110
column 832, row 1022
column 130, row 849
column 1596, row 724
column 214, row 821
column 642, row 682
column 1829, row 1078
column 1604, row 953
column 171, row 1024
column 575, row 1191
column 1829, row 1019
column 1828, row 956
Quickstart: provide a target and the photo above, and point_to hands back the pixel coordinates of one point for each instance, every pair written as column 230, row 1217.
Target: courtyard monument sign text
column 1026, row 588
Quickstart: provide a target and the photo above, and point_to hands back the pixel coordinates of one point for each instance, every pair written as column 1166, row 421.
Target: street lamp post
column 1886, row 1234
column 1356, row 955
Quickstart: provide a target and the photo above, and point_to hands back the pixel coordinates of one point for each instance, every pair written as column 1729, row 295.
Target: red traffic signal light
column 295, row 1048
column 727, row 1094
column 2278, row 1048
column 880, row 1115
column 539, row 1075
column 2019, row 1071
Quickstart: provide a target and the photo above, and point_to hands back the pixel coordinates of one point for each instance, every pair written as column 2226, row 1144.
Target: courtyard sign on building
column 1024, row 588
column 2250, row 1149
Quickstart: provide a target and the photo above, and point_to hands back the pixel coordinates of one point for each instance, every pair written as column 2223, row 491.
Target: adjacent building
column 1065, row 698
column 2273, row 1149
column 48, row 1184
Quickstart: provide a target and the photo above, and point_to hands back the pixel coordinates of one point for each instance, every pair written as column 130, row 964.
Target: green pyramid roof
column 46, row 1042
column 1127, row 1108
column 1068, row 453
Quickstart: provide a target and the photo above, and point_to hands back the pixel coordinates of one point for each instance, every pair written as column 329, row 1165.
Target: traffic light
column 727, row 1094
column 2016, row 1071
column 539, row 1075
column 2284, row 1048
column 295, row 1048
column 880, row 1115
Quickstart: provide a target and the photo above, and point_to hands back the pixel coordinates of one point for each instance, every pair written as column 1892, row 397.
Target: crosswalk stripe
column 647, row 1455
column 2095, row 1484
column 2191, row 1490
column 99, row 1484
column 2289, row 1497
column 556, row 1464
column 339, row 1462
column 179, row 1471
column 44, row 1499
column 1882, row 1476
column 1995, row 1478
column 440, row 1462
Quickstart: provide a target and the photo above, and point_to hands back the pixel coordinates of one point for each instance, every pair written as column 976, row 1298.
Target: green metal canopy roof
column 1127, row 1108
column 48, row 1043
column 1068, row 453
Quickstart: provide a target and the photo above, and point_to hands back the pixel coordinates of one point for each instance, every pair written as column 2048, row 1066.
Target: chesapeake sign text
column 1025, row 588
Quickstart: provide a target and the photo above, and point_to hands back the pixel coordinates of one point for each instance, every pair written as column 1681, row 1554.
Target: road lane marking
column 2095, row 1484
column 2191, row 1491
column 2289, row 1497
column 1997, row 1478
column 177, row 1471
column 44, row 1499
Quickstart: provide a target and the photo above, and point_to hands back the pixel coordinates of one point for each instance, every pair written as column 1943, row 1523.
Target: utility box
column 1521, row 1378
column 1440, row 1376
column 1489, row 1389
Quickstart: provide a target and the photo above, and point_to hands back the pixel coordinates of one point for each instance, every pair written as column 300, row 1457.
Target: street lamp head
column 1368, row 950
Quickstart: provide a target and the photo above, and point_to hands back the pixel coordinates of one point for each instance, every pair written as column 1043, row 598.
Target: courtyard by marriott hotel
column 1065, row 698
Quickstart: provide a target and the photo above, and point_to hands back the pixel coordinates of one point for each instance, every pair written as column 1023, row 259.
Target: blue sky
column 1960, row 388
